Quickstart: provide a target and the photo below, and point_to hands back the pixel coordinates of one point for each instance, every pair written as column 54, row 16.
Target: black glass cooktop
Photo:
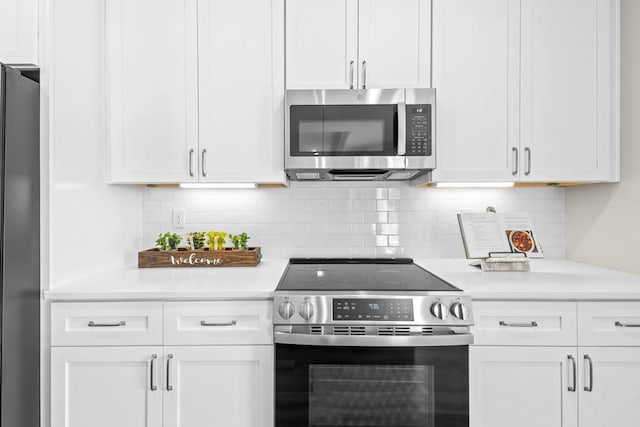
column 359, row 274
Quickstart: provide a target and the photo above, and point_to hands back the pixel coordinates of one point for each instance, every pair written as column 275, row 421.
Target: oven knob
column 286, row 309
column 439, row 310
column 306, row 309
column 460, row 310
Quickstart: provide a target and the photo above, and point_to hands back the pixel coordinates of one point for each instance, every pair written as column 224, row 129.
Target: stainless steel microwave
column 355, row 135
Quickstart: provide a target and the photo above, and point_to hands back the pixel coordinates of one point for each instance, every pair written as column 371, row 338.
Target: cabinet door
column 231, row 385
column 394, row 43
column 322, row 44
column 105, row 387
column 569, row 74
column 613, row 380
column 476, row 76
column 523, row 386
column 19, row 31
column 153, row 93
column 241, row 63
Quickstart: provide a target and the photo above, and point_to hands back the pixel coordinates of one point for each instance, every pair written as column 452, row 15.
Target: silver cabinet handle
column 93, row 324
column 532, row 324
column 205, row 323
column 515, row 161
column 204, row 173
column 169, row 358
column 191, row 162
column 573, row 370
column 627, row 325
column 364, row 74
column 153, row 385
column 527, row 151
column 590, row 386
column 351, row 64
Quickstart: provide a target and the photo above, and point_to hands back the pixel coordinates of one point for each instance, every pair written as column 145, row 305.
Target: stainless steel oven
column 373, row 134
column 370, row 343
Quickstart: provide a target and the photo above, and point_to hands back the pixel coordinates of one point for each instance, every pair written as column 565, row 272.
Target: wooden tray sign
column 228, row 257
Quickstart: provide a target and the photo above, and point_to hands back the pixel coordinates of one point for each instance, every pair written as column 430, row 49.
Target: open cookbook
column 486, row 234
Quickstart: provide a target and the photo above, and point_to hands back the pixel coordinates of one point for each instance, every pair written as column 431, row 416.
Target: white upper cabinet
column 394, row 43
column 241, row 70
column 322, row 44
column 569, row 80
column 349, row 44
column 196, row 90
column 153, row 90
column 527, row 90
column 477, row 89
column 19, row 31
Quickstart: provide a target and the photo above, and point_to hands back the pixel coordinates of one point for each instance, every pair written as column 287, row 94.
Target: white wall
column 347, row 219
column 94, row 226
column 602, row 220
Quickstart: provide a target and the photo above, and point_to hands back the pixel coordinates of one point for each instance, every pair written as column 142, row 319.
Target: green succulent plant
column 168, row 241
column 239, row 240
column 197, row 239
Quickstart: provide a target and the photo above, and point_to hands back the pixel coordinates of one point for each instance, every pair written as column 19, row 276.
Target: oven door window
column 365, row 386
column 344, row 130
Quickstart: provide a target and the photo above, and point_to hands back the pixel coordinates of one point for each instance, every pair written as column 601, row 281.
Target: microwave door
column 360, row 130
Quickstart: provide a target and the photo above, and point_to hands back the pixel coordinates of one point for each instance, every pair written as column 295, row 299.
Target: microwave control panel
column 418, row 129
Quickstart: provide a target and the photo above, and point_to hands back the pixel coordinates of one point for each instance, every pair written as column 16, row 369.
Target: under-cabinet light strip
column 219, row 185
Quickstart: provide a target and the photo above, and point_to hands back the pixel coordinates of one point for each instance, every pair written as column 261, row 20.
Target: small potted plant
column 197, row 239
column 168, row 241
column 239, row 240
column 216, row 239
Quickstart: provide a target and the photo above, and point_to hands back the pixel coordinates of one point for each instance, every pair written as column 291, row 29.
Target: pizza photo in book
column 485, row 233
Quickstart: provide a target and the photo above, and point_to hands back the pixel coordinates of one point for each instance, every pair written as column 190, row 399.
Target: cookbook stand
column 504, row 261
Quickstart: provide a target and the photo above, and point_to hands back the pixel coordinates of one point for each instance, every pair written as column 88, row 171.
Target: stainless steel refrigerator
column 19, row 246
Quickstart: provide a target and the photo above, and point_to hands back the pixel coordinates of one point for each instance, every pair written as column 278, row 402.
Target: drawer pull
column 590, row 386
column 627, row 325
column 205, row 323
column 153, row 385
column 93, row 324
column 532, row 324
column 573, row 370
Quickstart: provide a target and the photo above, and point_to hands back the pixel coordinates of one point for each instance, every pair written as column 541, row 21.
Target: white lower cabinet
column 212, row 380
column 105, row 387
column 232, row 385
column 610, row 393
column 584, row 371
column 523, row 386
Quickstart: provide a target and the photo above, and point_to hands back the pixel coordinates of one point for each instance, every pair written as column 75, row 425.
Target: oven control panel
column 377, row 309
column 436, row 309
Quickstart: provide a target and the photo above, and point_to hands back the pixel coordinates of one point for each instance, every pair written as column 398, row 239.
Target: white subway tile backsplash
column 352, row 219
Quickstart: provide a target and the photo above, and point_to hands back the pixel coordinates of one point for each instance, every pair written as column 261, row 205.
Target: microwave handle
column 402, row 129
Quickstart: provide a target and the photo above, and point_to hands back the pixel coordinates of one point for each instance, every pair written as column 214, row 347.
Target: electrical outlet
column 177, row 218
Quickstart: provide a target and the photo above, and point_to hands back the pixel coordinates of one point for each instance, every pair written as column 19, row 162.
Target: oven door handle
column 373, row 340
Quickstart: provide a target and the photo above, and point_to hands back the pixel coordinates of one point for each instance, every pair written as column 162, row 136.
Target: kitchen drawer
column 106, row 323
column 609, row 323
column 218, row 323
column 524, row 323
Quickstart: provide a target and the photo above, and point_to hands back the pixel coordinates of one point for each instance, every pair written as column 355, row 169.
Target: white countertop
column 547, row 280
column 175, row 283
